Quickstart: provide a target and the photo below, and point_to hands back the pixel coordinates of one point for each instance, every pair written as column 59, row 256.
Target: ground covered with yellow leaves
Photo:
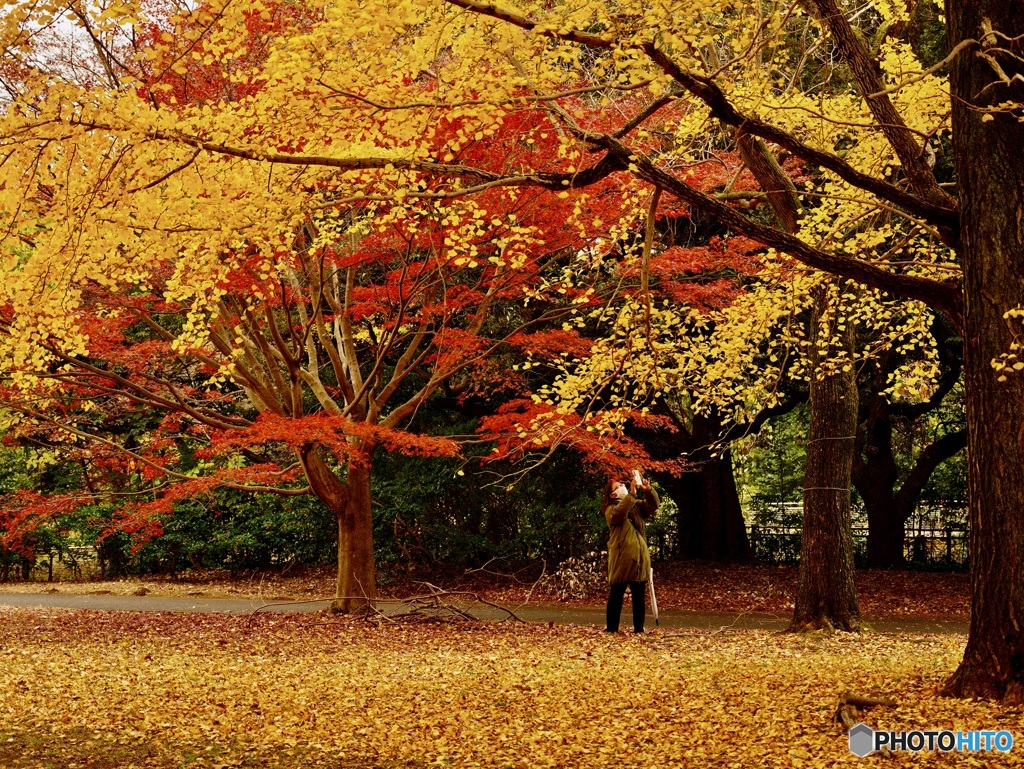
column 106, row 689
column 686, row 585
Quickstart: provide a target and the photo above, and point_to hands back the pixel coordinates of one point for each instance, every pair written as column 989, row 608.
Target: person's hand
column 632, row 486
column 646, row 485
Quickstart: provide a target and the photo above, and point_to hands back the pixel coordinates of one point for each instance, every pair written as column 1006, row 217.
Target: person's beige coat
column 629, row 560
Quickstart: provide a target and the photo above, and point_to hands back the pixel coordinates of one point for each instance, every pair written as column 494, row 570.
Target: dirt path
column 533, row 613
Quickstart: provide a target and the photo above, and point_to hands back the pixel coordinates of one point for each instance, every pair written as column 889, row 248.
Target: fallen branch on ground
column 438, row 604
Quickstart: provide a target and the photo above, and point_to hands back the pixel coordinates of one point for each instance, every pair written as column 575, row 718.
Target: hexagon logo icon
column 862, row 740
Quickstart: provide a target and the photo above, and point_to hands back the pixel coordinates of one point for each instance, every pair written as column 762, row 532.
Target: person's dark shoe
column 609, row 630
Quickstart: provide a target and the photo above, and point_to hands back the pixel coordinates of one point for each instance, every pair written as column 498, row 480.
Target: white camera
column 636, row 477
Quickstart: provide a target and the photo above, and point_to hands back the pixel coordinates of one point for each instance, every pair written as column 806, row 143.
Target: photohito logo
column 865, row 740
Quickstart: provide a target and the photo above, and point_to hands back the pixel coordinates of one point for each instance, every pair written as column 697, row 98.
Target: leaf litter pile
column 109, row 689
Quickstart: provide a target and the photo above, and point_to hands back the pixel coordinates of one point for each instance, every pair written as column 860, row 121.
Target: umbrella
column 654, row 598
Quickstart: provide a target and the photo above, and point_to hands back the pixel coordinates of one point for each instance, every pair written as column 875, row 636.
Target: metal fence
column 935, row 534
column 924, row 546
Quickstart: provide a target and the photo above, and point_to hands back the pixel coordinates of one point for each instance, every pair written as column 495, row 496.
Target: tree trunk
column 687, row 491
column 826, row 596
column 875, row 474
column 886, row 536
column 356, row 586
column 889, row 510
column 709, row 522
column 990, row 176
column 725, row 530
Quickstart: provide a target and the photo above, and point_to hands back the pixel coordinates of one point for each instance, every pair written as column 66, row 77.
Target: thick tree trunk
column 725, row 531
column 990, row 176
column 709, row 522
column 826, row 596
column 875, row 474
column 886, row 535
column 356, row 586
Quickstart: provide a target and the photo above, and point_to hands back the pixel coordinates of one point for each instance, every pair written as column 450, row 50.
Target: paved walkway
column 573, row 616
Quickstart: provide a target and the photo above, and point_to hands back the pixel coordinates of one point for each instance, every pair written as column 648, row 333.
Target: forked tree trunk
column 349, row 500
column 709, row 522
column 826, row 596
column 875, row 474
column 990, row 176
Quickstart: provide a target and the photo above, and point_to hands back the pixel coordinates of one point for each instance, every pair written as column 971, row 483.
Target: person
column 629, row 560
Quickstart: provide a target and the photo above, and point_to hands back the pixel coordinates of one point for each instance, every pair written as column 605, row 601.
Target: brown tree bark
column 709, row 521
column 724, row 531
column 349, row 500
column 781, row 191
column 356, row 585
column 826, row 596
column 990, row 177
column 876, row 475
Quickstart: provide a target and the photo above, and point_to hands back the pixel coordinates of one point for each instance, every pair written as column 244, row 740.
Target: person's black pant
column 638, row 591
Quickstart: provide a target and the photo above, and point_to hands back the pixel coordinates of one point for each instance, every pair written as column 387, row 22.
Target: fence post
column 949, row 544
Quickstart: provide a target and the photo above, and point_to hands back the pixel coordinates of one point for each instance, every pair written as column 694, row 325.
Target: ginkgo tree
column 795, row 331
column 984, row 99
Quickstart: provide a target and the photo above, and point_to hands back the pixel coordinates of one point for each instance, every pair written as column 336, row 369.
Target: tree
column 986, row 97
column 331, row 363
column 876, row 470
column 825, row 595
column 310, row 328
column 621, row 380
column 709, row 521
